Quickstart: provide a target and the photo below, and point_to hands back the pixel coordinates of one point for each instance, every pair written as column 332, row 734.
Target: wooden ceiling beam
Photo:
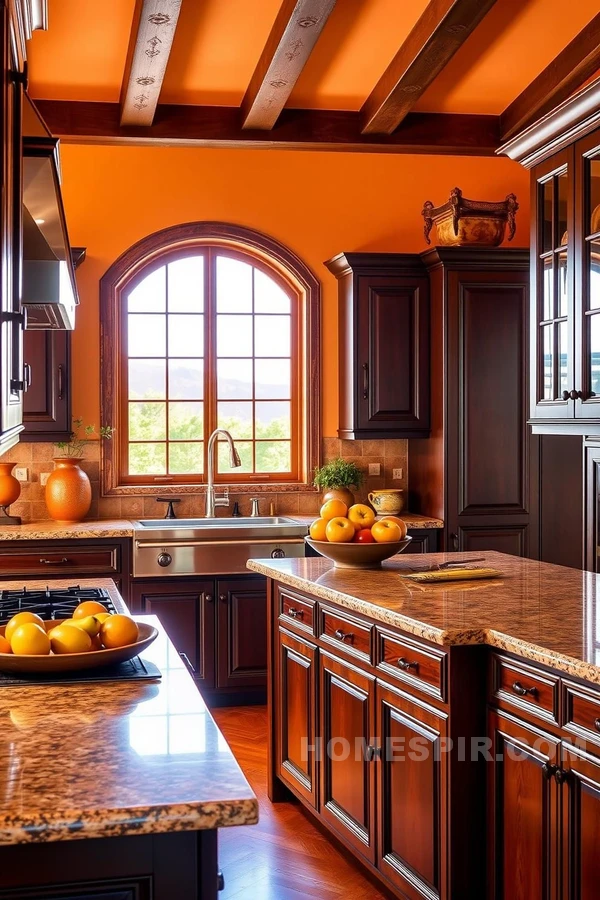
column 563, row 76
column 298, row 129
column 441, row 30
column 152, row 33
column 295, row 32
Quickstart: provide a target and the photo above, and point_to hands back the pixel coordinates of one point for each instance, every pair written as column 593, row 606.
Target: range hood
column 49, row 291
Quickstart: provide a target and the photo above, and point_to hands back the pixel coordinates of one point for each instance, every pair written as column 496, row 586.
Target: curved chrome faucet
column 234, row 462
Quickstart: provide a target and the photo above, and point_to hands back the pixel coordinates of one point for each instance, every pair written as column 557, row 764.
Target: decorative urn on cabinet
column 464, row 223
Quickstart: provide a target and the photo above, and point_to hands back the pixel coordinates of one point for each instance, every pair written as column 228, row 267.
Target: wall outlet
column 374, row 468
column 22, row 474
column 397, row 474
column 44, row 476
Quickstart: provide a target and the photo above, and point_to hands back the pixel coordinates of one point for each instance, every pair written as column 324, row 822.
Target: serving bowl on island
column 358, row 556
column 31, row 664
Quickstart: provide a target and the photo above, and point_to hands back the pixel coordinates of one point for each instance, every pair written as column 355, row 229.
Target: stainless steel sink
column 219, row 546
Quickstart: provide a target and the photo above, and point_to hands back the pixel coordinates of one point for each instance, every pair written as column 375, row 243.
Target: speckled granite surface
column 104, row 760
column 545, row 613
column 44, row 531
column 413, row 520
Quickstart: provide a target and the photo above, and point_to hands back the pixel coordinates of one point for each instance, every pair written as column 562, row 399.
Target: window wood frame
column 279, row 263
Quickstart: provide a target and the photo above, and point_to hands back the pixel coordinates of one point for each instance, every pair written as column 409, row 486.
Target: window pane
column 563, row 194
column 272, row 335
column 562, row 284
column 547, row 193
column 234, row 335
column 244, row 448
column 234, row 379
column 147, row 421
column 594, row 196
column 236, row 418
column 146, row 335
column 563, row 351
column 186, row 421
column 186, row 284
column 186, row 379
column 272, row 379
column 594, row 327
column 186, row 335
column 147, row 379
column 547, row 338
column 147, row 459
column 150, row 294
column 272, row 420
column 234, row 285
column 273, row 456
column 548, row 289
column 594, row 300
column 186, row 458
column 268, row 296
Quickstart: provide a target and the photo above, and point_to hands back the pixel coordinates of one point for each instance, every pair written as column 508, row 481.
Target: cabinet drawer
column 345, row 633
column 296, row 611
column 60, row 560
column 581, row 711
column 414, row 663
column 525, row 688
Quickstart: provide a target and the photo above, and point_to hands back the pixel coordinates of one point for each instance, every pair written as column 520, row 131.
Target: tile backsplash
column 37, row 458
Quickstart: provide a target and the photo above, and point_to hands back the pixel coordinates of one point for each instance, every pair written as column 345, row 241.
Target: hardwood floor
column 284, row 857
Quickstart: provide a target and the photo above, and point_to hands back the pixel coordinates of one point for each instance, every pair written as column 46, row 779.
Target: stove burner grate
column 51, row 603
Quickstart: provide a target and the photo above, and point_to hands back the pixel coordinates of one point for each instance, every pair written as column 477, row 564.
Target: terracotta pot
column 10, row 488
column 342, row 493
column 68, row 491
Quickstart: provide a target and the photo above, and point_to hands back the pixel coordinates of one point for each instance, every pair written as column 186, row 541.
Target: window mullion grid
column 167, row 392
column 210, row 353
column 253, row 445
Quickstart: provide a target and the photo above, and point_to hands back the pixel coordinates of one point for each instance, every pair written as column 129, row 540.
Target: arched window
column 209, row 326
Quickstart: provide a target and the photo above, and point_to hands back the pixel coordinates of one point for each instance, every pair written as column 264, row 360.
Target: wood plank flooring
column 284, row 857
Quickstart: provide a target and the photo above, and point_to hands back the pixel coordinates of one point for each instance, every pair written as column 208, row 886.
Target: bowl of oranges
column 353, row 538
column 92, row 638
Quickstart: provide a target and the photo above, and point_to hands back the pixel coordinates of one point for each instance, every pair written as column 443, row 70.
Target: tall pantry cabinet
column 478, row 471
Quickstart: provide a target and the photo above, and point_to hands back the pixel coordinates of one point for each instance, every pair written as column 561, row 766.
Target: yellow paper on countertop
column 469, row 573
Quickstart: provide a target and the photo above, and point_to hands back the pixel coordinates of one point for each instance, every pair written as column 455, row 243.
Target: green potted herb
column 336, row 478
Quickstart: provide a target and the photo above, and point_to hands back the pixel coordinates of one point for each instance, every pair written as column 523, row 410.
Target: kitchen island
column 116, row 789
column 447, row 734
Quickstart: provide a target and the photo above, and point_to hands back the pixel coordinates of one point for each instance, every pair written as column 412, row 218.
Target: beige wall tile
column 351, row 448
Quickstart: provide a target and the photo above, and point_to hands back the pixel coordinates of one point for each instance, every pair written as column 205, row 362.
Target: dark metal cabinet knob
column 164, row 559
column 406, row 664
column 522, row 691
column 560, row 776
column 223, row 598
column 548, row 770
column 565, row 395
column 343, row 636
column 295, row 613
column 209, row 598
column 454, row 541
column 597, row 724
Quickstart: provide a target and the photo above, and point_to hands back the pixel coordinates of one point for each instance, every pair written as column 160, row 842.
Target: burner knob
column 278, row 553
column 164, row 559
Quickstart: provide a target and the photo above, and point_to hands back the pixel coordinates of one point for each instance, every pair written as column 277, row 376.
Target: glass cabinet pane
column 594, row 284
column 547, row 203
column 562, row 285
column 563, row 192
column 594, row 207
column 594, row 350
column 563, row 356
column 548, row 345
column 548, row 289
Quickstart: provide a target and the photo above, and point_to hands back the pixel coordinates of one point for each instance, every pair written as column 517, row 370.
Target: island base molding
column 181, row 865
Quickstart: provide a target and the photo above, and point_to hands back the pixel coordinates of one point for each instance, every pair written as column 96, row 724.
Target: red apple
column 364, row 536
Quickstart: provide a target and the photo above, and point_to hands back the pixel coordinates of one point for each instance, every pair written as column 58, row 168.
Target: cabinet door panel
column 523, row 804
column 347, row 779
column 46, row 404
column 581, row 832
column 296, row 703
column 242, row 633
column 411, row 795
column 507, row 539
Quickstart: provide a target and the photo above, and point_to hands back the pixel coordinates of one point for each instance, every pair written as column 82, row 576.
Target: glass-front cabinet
column 565, row 318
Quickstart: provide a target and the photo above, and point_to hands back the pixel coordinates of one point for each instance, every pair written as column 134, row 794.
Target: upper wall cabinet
column 383, row 345
column 563, row 152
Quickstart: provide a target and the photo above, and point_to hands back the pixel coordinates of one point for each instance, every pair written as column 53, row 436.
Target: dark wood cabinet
column 47, row 402
column 479, row 470
column 187, row 612
column 347, row 703
column 297, row 699
column 411, row 795
column 383, row 345
column 592, row 507
column 581, row 824
column 242, row 633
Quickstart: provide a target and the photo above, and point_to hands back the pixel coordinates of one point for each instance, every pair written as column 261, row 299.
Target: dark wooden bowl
column 73, row 662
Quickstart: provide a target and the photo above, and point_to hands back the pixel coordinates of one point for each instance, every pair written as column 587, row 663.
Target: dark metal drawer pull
column 404, row 663
column 55, row 562
column 523, row 691
column 295, row 613
column 342, row 636
column 548, row 770
column 560, row 775
column 371, row 753
column 597, row 724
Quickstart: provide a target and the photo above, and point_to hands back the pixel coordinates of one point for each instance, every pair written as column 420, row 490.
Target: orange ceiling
column 218, row 43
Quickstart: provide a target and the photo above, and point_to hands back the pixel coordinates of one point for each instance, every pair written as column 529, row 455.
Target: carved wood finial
column 426, row 213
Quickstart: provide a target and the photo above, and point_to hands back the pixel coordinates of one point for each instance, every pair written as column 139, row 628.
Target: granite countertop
column 542, row 612
column 111, row 759
column 123, row 528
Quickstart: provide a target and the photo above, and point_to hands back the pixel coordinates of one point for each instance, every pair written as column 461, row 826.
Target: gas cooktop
column 51, row 603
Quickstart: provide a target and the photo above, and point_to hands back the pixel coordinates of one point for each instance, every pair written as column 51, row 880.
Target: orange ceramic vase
column 68, row 491
column 10, row 488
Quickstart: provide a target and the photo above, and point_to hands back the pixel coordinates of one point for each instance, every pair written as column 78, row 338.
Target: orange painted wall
column 316, row 203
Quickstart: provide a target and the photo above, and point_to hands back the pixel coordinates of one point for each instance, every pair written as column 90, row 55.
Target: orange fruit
column 340, row 530
column 30, row 639
column 118, row 631
column 20, row 619
column 69, row 639
column 317, row 530
column 88, row 608
column 385, row 531
column 334, row 509
column 5, row 645
column 399, row 522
